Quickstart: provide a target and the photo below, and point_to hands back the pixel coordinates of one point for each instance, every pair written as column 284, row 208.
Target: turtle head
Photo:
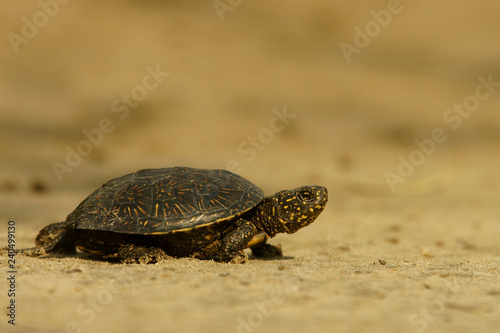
column 299, row 207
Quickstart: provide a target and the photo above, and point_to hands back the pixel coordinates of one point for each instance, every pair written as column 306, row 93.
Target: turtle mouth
column 287, row 230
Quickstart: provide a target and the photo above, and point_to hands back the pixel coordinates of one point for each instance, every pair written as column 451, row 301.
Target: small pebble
column 37, row 186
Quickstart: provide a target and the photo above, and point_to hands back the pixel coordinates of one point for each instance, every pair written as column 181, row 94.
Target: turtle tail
column 57, row 237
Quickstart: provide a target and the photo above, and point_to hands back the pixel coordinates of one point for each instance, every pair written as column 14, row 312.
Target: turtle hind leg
column 131, row 254
column 57, row 237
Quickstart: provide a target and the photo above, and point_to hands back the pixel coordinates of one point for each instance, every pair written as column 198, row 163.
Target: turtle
column 153, row 214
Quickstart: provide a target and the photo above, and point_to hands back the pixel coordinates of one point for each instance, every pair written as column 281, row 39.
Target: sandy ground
column 270, row 92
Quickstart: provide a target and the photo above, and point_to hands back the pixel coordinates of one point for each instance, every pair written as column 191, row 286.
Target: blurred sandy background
column 422, row 258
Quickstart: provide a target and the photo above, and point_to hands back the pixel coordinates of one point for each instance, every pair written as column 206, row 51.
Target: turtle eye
column 306, row 195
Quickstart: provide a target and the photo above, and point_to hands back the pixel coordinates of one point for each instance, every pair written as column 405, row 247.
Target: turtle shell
column 163, row 201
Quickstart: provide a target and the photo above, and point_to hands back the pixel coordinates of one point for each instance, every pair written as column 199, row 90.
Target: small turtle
column 182, row 212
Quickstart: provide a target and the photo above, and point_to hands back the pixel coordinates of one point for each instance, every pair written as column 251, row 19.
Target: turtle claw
column 32, row 252
column 29, row 252
column 240, row 258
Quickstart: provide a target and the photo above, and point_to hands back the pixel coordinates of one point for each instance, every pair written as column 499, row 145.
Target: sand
column 402, row 130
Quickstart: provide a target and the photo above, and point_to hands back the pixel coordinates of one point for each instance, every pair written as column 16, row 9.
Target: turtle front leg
column 265, row 250
column 233, row 243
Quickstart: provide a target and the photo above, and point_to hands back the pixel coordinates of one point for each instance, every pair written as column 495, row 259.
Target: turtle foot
column 240, row 258
column 267, row 251
column 131, row 254
column 32, row 252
